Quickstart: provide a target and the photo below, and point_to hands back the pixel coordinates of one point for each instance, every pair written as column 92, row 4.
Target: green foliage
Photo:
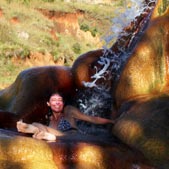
column 84, row 27
column 24, row 53
column 32, row 32
column 55, row 54
column 8, row 71
column 76, row 48
column 94, row 32
column 165, row 5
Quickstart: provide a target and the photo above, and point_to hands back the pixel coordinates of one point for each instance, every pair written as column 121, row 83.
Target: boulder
column 142, row 94
column 146, row 71
column 141, row 98
column 24, row 153
column 69, row 152
column 145, row 127
column 26, row 98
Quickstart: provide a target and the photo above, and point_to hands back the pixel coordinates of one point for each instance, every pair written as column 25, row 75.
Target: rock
column 141, row 96
column 26, row 153
column 82, row 152
column 83, row 67
column 145, row 127
column 146, row 72
column 28, row 95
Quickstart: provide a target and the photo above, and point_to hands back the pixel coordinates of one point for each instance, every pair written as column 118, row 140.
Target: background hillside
column 53, row 32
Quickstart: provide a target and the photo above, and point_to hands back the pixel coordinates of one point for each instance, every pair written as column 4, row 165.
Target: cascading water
column 96, row 97
column 112, row 61
column 94, row 102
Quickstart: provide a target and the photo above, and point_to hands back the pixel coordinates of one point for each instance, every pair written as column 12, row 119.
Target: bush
column 84, row 27
column 94, row 32
column 76, row 48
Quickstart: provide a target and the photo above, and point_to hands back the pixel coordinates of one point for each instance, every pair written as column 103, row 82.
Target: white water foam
column 123, row 19
column 110, row 62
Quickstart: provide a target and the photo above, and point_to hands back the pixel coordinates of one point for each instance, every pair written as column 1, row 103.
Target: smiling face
column 56, row 103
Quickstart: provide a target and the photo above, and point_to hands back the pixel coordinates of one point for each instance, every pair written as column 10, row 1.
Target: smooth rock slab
column 145, row 126
column 25, row 153
column 84, row 152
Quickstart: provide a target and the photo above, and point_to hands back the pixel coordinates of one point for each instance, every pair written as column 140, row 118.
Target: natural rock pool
column 134, row 72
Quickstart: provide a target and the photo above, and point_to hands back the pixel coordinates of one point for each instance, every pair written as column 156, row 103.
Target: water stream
column 127, row 28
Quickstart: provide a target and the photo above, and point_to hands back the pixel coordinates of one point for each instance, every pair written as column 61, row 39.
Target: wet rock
column 75, row 151
column 24, row 153
column 145, row 126
column 26, row 98
column 146, row 72
column 142, row 94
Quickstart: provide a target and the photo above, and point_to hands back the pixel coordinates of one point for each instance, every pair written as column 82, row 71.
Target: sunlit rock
column 84, row 67
column 141, row 97
column 72, row 152
column 25, row 153
column 142, row 94
column 162, row 8
column 146, row 71
column 145, row 127
column 28, row 95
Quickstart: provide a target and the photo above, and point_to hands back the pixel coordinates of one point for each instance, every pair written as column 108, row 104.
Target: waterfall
column 112, row 61
column 127, row 28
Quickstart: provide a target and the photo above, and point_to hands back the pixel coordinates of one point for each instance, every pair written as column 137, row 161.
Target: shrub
column 94, row 32
column 84, row 27
column 76, row 48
